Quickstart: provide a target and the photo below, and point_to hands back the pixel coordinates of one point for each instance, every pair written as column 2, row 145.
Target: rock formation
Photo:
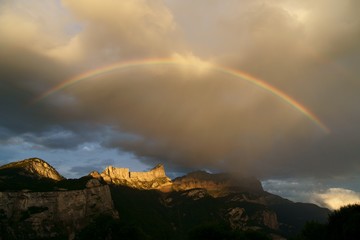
column 215, row 184
column 239, row 219
column 33, row 167
column 33, row 215
column 153, row 179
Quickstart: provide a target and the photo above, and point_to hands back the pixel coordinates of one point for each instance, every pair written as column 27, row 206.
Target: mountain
column 32, row 167
column 217, row 184
column 31, row 174
column 120, row 204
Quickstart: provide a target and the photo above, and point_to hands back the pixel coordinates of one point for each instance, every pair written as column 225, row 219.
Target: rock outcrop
column 33, row 167
column 237, row 218
column 153, row 179
column 216, row 184
column 34, row 215
column 269, row 219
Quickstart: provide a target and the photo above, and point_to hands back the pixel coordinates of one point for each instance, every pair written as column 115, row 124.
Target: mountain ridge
column 217, row 184
column 178, row 205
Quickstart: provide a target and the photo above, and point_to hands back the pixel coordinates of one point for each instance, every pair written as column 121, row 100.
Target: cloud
column 33, row 25
column 313, row 190
column 113, row 30
column 187, row 116
column 298, row 190
column 83, row 170
column 334, row 198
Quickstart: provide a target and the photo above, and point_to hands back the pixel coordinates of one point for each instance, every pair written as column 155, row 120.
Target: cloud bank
column 334, row 198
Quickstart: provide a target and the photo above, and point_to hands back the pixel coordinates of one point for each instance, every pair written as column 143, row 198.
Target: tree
column 345, row 223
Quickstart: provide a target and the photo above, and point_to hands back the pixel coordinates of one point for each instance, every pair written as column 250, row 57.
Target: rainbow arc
column 169, row 61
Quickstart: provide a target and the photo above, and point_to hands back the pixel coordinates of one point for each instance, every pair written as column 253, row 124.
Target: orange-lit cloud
column 334, row 198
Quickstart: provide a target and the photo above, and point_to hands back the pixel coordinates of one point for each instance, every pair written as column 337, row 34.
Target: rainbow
column 172, row 61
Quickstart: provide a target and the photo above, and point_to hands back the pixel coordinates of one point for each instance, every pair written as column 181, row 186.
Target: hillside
column 32, row 167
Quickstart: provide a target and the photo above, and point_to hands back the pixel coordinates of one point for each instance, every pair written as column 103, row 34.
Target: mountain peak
column 158, row 166
column 33, row 167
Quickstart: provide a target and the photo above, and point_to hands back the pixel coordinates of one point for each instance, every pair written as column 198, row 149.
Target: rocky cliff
column 239, row 218
column 153, row 179
column 216, row 184
column 60, row 214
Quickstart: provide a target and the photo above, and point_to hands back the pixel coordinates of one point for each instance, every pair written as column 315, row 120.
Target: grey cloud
column 189, row 120
column 119, row 30
column 294, row 189
column 24, row 74
column 83, row 170
column 182, row 116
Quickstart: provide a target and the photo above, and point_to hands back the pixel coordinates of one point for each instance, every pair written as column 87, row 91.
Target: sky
column 260, row 88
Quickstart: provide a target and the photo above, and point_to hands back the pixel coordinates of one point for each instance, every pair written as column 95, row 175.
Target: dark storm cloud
column 24, row 74
column 190, row 116
column 307, row 49
column 54, row 124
